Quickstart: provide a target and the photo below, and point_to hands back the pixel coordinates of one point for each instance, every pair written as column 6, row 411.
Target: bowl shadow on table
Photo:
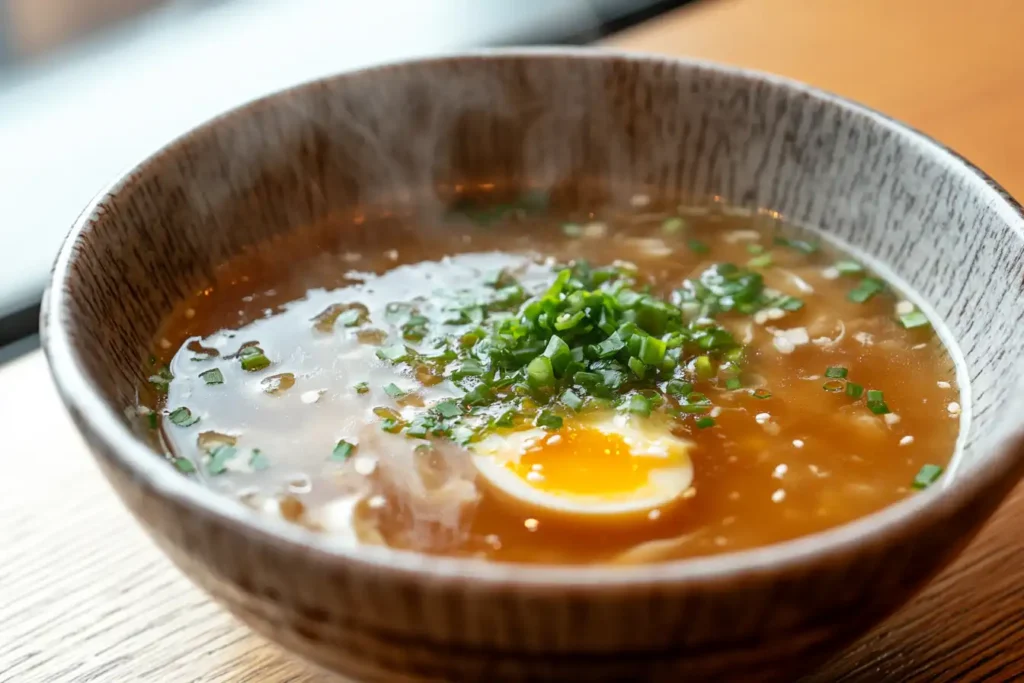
column 587, row 128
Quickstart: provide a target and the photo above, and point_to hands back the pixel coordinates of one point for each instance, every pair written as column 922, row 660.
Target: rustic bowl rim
column 83, row 399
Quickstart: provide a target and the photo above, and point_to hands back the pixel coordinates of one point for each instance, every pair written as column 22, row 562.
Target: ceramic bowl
column 587, row 122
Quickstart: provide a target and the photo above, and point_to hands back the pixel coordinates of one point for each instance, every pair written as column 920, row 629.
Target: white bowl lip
column 125, row 451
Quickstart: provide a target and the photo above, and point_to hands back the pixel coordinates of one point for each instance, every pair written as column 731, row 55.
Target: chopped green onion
column 362, row 387
column 914, row 319
column 800, row 245
column 184, row 465
column 506, row 419
column 572, row 229
column 342, row 450
column 854, row 390
column 258, row 461
column 214, row 376
column 848, row 267
column 875, row 396
column 652, row 351
column 539, row 372
column 789, row 303
column 733, row 383
column 393, row 354
column 695, row 409
column 254, row 362
column 637, row 366
column 833, row 386
column 702, row 365
column 183, row 417
column 570, row 399
column 559, row 353
column 698, row 247
column 755, row 249
column 674, row 387
column 926, row 476
column 480, row 395
column 705, row 422
column 394, row 391
column 640, row 405
column 761, row 394
column 548, row 420
column 671, row 226
column 152, row 420
column 447, row 409
column 836, row 372
column 762, row 261
column 219, row 458
column 878, row 407
column 867, row 288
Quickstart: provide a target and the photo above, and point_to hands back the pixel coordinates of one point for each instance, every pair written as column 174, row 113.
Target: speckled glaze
column 589, row 125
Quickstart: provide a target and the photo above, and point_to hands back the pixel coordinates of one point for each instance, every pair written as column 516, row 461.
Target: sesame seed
column 392, row 254
column 953, row 408
column 595, row 230
column 783, row 345
column 761, row 317
column 891, row 418
column 716, row 411
column 639, row 201
column 778, row 496
column 944, row 385
column 798, row 443
column 190, row 313
column 775, row 313
column 534, row 476
column 780, row 471
column 653, row 515
column 762, row 418
column 906, row 441
column 830, row 273
column 531, row 524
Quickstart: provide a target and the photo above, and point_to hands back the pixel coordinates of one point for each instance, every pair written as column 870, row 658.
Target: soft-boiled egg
column 615, row 467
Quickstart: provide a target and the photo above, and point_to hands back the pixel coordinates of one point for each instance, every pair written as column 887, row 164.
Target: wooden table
column 84, row 595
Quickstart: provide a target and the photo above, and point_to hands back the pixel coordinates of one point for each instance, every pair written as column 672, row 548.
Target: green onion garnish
column 833, row 386
column 854, row 390
column 762, row 261
column 705, row 422
column 572, row 229
column 704, row 368
column 184, row 465
column 789, row 303
column 393, row 354
column 539, row 372
column 258, row 461
column 161, row 380
column 800, row 245
column 867, row 288
column 836, row 372
column 761, row 393
column 914, row 319
column 640, row 405
column 637, row 366
column 733, row 383
column 213, row 376
column 674, row 387
column 394, row 391
column 548, row 420
column 570, row 399
column 219, row 458
column 447, row 409
column 342, row 450
column 875, row 396
column 362, row 387
column 183, row 417
column 755, row 249
column 351, row 317
column 926, row 476
column 254, row 362
column 848, row 267
column 878, row 408
column 698, row 247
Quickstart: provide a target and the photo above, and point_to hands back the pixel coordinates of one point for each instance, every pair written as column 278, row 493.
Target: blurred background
column 89, row 87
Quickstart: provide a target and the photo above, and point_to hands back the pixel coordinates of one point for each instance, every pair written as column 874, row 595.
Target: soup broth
column 524, row 386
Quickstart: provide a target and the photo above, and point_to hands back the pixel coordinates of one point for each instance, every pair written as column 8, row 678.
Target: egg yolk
column 583, row 462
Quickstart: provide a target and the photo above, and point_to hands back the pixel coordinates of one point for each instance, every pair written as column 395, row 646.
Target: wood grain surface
column 84, row 595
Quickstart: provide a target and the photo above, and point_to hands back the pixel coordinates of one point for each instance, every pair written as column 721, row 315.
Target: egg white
column 645, row 438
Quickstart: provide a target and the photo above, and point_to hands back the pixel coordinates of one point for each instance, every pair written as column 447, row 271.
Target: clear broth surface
column 770, row 469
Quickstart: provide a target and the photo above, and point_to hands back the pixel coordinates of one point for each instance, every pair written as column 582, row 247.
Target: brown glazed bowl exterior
column 592, row 125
